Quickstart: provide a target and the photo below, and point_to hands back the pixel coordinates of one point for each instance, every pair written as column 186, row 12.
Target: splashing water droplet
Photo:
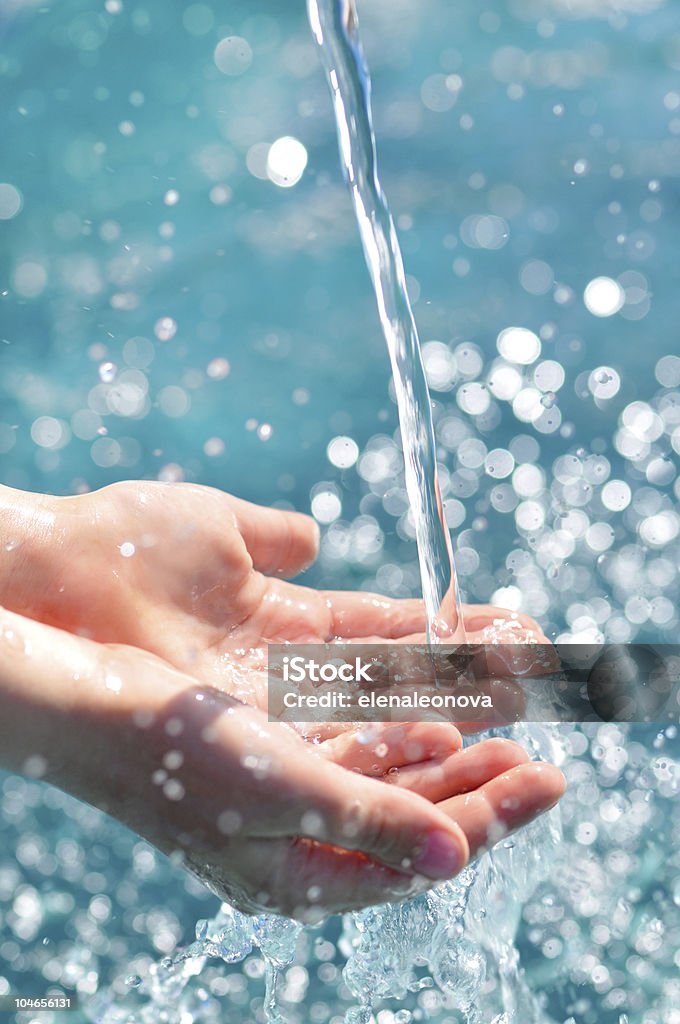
column 107, row 372
column 12, row 640
column 165, row 329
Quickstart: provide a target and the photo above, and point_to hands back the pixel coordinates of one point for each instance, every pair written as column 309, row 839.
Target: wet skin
column 131, row 662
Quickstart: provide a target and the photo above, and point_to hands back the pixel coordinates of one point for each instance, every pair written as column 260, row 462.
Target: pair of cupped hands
column 133, row 633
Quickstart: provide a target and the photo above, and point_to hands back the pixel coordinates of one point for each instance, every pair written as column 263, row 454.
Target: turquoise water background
column 527, row 149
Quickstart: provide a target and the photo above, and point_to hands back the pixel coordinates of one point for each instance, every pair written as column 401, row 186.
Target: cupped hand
column 268, row 821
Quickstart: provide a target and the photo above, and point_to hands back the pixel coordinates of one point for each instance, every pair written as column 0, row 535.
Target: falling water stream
column 335, row 28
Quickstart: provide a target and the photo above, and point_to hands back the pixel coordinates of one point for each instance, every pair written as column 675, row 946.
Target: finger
column 279, row 542
column 364, row 614
column 377, row 748
column 374, row 619
column 462, row 771
column 400, row 829
column 367, row 615
column 479, row 618
column 308, row 881
column 505, row 803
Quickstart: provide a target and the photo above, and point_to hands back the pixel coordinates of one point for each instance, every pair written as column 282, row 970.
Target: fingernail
column 440, row 857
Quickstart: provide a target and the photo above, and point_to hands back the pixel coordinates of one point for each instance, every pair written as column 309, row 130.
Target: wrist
column 85, row 712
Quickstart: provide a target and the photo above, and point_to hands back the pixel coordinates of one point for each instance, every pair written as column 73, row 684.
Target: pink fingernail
column 440, row 857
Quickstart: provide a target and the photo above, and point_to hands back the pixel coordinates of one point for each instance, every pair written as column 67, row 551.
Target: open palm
column 197, row 577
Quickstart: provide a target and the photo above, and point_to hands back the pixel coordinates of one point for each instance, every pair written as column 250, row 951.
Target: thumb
column 280, row 543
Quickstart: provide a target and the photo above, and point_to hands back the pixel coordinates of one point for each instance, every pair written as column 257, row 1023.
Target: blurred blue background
column 183, row 296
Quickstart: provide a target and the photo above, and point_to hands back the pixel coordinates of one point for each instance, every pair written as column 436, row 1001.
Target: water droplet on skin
column 414, row 751
column 127, row 549
column 12, row 640
column 311, row 823
column 381, row 750
column 12, row 545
